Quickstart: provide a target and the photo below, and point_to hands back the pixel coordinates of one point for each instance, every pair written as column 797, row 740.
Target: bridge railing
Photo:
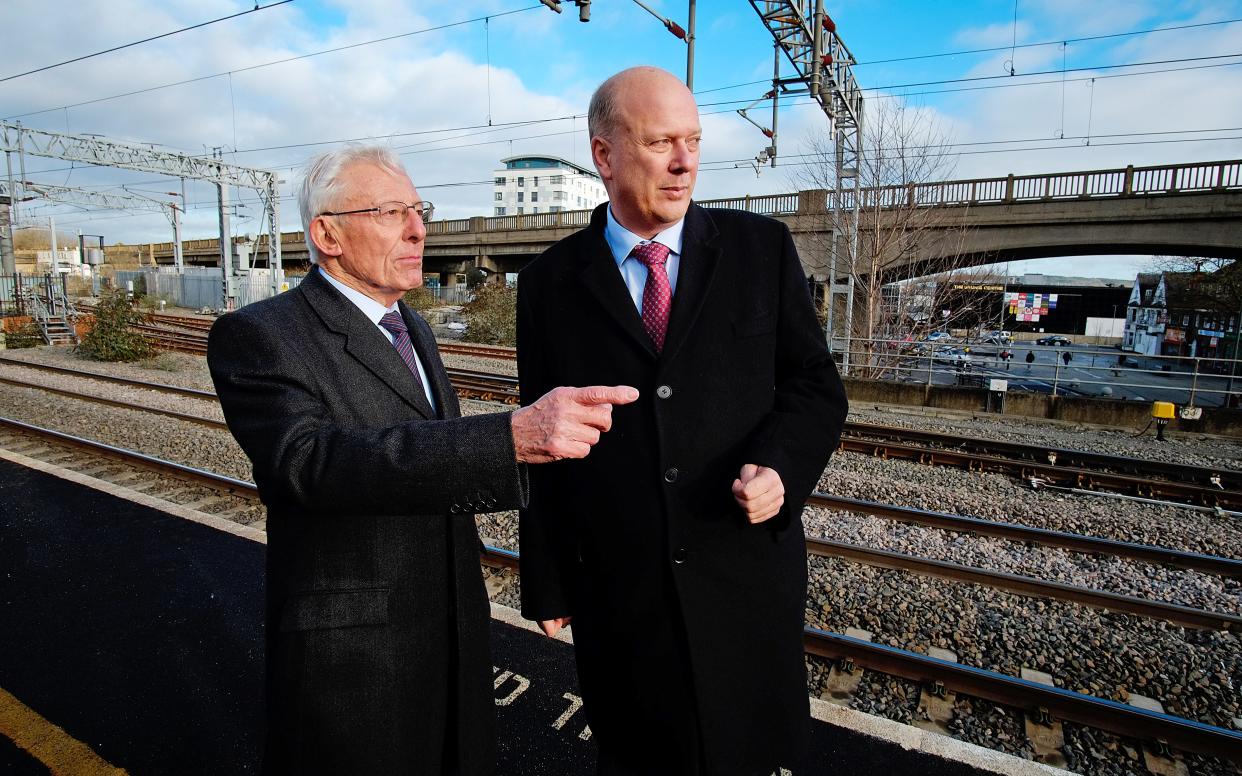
column 1088, row 184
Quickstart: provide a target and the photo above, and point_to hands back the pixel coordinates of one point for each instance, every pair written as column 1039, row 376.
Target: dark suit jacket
column 377, row 619
column 642, row 542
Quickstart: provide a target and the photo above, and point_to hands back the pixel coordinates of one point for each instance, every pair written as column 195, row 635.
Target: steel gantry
column 824, row 68
column 16, row 139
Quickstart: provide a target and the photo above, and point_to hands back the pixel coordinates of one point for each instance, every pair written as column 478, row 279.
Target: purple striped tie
column 395, row 324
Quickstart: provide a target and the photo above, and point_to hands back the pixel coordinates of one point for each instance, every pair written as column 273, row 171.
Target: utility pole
column 226, row 239
column 824, row 69
column 8, row 261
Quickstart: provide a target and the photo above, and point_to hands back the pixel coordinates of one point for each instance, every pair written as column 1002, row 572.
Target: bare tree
column 900, row 235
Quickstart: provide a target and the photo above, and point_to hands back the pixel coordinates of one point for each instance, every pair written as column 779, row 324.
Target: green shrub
column 111, row 339
column 420, row 298
column 491, row 317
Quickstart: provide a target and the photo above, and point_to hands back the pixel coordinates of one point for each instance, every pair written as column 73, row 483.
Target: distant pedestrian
column 1006, row 356
column 1066, row 357
column 1030, row 359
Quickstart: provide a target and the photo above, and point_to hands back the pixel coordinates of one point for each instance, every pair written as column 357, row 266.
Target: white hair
column 322, row 183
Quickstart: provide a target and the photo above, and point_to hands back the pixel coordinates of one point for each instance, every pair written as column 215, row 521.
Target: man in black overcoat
column 377, row 619
column 676, row 548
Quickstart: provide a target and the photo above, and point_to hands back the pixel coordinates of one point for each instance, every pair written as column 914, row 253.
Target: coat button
column 680, row 555
column 664, row 391
column 670, row 474
column 455, row 509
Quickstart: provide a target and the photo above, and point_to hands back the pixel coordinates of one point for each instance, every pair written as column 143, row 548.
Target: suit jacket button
column 680, row 555
column 455, row 509
column 664, row 391
column 490, row 503
column 670, row 474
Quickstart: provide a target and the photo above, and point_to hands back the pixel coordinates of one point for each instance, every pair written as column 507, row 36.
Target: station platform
column 132, row 642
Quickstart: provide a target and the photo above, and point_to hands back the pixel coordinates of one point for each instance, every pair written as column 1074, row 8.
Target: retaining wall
column 1104, row 412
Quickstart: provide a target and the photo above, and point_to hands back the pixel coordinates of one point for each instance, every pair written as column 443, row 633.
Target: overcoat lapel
column 364, row 342
column 600, row 275
column 700, row 255
column 428, row 353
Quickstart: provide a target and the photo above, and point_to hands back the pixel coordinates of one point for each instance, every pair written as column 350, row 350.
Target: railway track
column 1037, row 465
column 1022, row 585
column 847, row 652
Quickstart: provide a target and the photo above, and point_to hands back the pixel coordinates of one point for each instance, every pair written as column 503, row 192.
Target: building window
column 521, row 196
column 521, row 210
column 500, row 181
column 536, row 181
column 500, row 211
column 558, row 196
column 534, row 196
column 521, row 180
column 499, row 196
column 555, row 209
column 535, row 210
column 1186, row 319
column 557, row 180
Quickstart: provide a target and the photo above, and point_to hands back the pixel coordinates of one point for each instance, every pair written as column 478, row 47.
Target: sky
column 1023, row 87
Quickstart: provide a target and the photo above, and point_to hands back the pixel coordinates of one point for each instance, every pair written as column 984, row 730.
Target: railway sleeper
column 936, row 701
column 1158, row 756
column 1043, row 731
column 845, row 676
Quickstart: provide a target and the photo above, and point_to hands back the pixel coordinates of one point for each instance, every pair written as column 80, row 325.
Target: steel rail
column 1094, row 712
column 1065, row 476
column 1099, row 713
column 1212, row 564
column 230, row 484
column 189, row 418
column 484, row 351
column 1220, row 477
column 1185, row 616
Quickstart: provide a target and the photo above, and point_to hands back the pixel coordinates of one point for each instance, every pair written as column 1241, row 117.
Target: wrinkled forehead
column 366, row 183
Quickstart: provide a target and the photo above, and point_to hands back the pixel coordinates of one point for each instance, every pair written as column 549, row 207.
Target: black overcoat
column 377, row 619
column 642, row 542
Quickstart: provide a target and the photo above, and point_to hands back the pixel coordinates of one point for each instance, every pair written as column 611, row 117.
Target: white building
column 528, row 185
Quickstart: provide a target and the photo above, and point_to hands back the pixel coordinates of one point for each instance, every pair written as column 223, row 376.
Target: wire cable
column 146, row 40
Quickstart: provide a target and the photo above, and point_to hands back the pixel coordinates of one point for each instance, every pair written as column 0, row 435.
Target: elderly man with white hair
column 377, row 618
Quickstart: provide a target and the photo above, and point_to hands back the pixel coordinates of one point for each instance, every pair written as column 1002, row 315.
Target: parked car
column 939, row 336
column 949, row 355
column 996, row 338
column 1053, row 339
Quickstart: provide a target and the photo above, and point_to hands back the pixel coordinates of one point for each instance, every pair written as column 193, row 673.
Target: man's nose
column 415, row 229
column 684, row 159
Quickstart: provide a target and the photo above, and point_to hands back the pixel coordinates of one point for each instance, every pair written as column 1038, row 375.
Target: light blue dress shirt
column 621, row 241
column 374, row 311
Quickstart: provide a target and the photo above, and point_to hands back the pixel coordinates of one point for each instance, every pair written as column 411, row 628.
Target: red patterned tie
column 657, row 295
column 395, row 324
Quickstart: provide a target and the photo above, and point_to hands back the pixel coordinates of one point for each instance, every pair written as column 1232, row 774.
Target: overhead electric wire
column 146, row 40
column 1046, row 43
column 346, row 47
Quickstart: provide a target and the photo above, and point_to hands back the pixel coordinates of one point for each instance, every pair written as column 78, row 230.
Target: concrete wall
column 1102, row 412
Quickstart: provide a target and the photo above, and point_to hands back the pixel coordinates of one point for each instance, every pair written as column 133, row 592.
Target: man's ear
column 601, row 154
column 324, row 234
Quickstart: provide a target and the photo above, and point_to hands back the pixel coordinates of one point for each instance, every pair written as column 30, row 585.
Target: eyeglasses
column 391, row 213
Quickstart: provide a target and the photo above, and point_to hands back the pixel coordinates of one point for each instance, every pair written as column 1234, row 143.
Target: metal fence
column 17, row 291
column 1092, row 372
column 200, row 287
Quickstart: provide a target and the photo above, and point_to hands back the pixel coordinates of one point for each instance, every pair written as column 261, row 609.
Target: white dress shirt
column 621, row 241
column 374, row 311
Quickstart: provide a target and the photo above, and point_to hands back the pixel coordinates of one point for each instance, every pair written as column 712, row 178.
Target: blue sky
column 433, row 92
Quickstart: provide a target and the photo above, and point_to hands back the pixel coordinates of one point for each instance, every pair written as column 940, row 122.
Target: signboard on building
column 1174, row 335
column 1029, row 306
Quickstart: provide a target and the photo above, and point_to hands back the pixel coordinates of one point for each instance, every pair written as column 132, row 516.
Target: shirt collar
column 621, row 240
column 372, row 309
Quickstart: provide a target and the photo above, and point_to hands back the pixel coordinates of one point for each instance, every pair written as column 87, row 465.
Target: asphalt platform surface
column 140, row 635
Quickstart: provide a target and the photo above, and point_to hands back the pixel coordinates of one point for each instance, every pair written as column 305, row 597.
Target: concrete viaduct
column 1192, row 209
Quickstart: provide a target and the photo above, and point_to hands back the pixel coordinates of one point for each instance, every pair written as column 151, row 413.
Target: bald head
column 604, row 115
column 645, row 143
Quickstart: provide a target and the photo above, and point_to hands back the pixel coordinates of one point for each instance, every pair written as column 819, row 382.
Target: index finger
column 605, row 394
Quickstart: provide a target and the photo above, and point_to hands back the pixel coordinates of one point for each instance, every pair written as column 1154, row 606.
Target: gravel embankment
column 1195, row 673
